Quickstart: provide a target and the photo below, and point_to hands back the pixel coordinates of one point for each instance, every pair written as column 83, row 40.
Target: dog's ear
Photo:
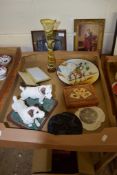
column 30, row 112
column 43, row 89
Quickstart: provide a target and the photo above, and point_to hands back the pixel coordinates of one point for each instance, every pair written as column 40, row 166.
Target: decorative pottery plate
column 3, row 71
column 77, row 71
column 91, row 117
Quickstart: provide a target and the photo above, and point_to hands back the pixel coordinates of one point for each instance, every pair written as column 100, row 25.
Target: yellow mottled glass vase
column 48, row 25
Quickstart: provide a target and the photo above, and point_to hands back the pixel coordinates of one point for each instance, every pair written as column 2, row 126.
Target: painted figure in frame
column 88, row 37
column 42, row 44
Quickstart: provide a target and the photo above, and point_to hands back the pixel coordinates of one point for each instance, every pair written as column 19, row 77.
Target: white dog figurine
column 40, row 92
column 29, row 115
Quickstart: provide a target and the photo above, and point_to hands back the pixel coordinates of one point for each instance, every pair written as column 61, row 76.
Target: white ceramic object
column 40, row 92
column 77, row 71
column 29, row 115
column 3, row 71
column 91, row 117
column 5, row 60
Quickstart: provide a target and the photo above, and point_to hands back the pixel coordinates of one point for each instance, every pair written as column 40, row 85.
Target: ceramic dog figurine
column 40, row 92
column 29, row 115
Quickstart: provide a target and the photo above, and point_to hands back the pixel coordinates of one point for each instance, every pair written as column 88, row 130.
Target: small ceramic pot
column 5, row 60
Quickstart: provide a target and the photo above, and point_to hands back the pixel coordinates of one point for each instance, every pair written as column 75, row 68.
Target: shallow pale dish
column 91, row 117
column 77, row 71
column 3, row 71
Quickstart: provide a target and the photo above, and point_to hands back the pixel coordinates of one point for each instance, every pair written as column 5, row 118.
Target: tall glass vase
column 48, row 25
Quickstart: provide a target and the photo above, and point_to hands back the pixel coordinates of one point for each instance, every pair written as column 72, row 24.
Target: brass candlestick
column 48, row 25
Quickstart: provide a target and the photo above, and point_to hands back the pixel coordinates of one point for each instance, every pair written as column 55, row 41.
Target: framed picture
column 89, row 34
column 114, row 46
column 40, row 44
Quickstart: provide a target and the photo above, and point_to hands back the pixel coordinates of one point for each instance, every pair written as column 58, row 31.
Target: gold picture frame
column 88, row 34
column 39, row 40
column 114, row 46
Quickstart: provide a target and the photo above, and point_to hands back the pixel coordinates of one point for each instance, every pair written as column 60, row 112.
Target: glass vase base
column 52, row 69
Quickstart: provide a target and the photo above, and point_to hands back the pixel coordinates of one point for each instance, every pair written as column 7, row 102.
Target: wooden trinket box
column 80, row 95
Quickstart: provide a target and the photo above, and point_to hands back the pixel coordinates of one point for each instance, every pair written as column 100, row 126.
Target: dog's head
column 47, row 91
column 35, row 112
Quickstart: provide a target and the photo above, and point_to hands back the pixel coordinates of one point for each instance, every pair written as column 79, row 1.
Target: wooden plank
column 86, row 142
column 85, row 163
column 42, row 160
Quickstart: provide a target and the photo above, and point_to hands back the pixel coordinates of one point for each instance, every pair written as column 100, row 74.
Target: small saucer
column 3, row 71
column 91, row 117
column 2, row 78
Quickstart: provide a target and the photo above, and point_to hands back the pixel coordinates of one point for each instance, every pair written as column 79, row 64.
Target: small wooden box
column 80, row 95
